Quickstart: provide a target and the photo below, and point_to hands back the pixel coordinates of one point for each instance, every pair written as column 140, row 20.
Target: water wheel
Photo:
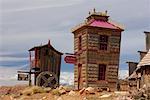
column 47, row 79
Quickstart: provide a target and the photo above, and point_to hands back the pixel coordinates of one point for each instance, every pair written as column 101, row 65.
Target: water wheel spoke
column 45, row 84
column 51, row 79
column 44, row 78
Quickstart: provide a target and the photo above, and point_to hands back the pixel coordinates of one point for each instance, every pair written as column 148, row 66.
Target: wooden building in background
column 141, row 74
column 143, row 71
column 97, row 49
column 132, row 82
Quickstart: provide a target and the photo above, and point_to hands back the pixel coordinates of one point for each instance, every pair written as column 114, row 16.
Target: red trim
column 35, row 57
column 30, row 59
column 70, row 59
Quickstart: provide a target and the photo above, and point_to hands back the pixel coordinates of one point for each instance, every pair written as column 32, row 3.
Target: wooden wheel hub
column 47, row 79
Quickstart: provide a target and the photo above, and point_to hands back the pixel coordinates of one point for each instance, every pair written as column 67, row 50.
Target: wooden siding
column 47, row 59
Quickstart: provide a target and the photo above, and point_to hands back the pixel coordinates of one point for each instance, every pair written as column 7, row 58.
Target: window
column 46, row 52
column 79, row 46
column 103, row 42
column 103, row 46
column 101, row 72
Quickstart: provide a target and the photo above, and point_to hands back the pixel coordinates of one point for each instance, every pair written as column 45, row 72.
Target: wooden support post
column 35, row 75
column 30, row 82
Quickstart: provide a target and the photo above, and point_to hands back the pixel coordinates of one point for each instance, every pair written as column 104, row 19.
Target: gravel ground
column 15, row 93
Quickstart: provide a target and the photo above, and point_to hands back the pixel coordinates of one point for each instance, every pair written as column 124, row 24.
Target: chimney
column 142, row 54
column 132, row 66
column 49, row 43
column 147, row 40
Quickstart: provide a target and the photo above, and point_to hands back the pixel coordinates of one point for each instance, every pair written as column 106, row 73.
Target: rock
column 144, row 86
column 81, row 91
column 145, row 95
column 60, row 98
column 5, row 90
column 142, row 90
column 108, row 89
column 47, row 90
column 62, row 91
column 99, row 90
column 123, row 98
column 61, row 87
column 90, row 90
column 85, row 98
column 44, row 98
column 68, row 89
column 105, row 96
column 72, row 93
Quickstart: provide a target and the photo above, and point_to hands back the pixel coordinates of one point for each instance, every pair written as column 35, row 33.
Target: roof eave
column 32, row 49
column 73, row 31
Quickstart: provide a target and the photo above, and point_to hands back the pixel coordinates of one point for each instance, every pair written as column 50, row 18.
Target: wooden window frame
column 80, row 43
column 103, row 42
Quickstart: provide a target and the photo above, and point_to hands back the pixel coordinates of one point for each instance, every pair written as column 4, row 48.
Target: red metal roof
column 103, row 24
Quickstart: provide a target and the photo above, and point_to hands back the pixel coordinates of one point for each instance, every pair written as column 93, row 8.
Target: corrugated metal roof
column 98, row 23
column 104, row 24
column 145, row 61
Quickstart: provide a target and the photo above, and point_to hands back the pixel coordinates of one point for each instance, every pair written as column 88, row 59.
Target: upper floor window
column 79, row 45
column 103, row 39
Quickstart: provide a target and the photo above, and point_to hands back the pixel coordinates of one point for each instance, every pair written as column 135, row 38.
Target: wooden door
column 80, row 81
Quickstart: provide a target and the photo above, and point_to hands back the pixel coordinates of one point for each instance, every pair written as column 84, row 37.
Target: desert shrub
column 67, row 88
column 56, row 92
column 27, row 92
column 37, row 89
column 33, row 90
column 47, row 90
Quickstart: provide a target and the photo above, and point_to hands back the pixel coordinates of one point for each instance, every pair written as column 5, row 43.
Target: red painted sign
column 70, row 59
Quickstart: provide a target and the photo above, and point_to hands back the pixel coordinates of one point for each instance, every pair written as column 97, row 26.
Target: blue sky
column 27, row 23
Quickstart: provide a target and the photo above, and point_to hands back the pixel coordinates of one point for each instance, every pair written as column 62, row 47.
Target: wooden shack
column 97, row 49
column 143, row 71
column 45, row 60
column 123, row 85
column 132, row 80
column 141, row 75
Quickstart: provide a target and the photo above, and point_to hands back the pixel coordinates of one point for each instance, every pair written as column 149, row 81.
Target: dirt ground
column 14, row 93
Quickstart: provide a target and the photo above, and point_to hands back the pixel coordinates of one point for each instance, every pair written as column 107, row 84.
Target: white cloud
column 30, row 5
column 58, row 39
column 13, row 58
column 132, row 41
column 7, row 73
column 67, row 78
column 123, row 74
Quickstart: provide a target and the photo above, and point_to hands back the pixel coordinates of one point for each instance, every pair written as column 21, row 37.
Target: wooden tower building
column 97, row 49
column 45, row 61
